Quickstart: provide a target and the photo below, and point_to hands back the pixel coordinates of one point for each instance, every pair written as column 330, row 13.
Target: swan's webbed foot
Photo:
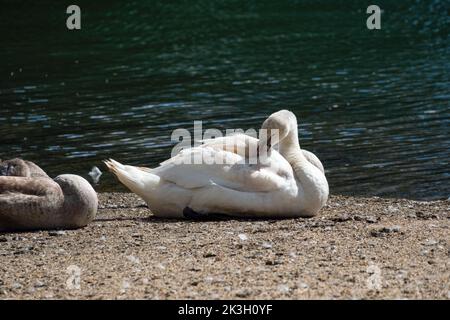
column 188, row 213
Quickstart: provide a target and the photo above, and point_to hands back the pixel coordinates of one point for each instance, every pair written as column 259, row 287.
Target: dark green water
column 373, row 105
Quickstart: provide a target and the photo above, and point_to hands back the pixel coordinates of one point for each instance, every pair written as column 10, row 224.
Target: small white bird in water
column 290, row 183
column 95, row 174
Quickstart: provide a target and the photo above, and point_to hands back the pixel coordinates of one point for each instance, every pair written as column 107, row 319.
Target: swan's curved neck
column 311, row 179
column 289, row 148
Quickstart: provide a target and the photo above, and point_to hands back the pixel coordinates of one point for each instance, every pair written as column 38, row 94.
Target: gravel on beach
column 356, row 248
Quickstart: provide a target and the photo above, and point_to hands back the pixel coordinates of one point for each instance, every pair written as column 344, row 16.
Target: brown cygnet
column 31, row 200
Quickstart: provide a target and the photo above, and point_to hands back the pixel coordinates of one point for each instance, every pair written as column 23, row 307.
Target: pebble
column 243, row 237
column 273, row 262
column 133, row 259
column 283, row 288
column 392, row 229
column 430, row 242
column 384, row 230
column 425, row 216
column 16, row 285
column 368, row 219
column 341, row 218
column 209, row 255
column 161, row 266
column 371, row 219
column 125, row 285
column 56, row 233
column 267, row 245
column 243, row 293
column 303, row 285
column 392, row 209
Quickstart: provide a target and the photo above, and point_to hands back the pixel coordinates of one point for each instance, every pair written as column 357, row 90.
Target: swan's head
column 20, row 168
column 276, row 128
column 80, row 199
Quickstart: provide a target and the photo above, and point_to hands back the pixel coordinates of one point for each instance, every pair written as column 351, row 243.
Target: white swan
column 291, row 183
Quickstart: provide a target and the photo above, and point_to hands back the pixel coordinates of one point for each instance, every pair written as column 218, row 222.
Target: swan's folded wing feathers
column 231, row 173
column 311, row 157
column 237, row 143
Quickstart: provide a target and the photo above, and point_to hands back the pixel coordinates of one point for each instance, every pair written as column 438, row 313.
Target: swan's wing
column 215, row 162
column 238, row 143
column 311, row 157
column 243, row 144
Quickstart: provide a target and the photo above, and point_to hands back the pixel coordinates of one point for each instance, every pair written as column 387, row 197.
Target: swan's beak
column 264, row 145
column 264, row 148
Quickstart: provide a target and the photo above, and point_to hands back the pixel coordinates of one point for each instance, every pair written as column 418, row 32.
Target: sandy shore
column 356, row 248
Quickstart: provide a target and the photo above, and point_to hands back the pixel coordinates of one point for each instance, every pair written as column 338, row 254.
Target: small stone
column 341, row 218
column 243, row 293
column 161, row 266
column 125, row 285
column 371, row 219
column 392, row 229
column 384, row 230
column 3, row 239
column 243, row 237
column 430, row 242
column 209, row 255
column 56, row 233
column 303, row 285
column 283, row 288
column 267, row 245
column 392, row 209
column 272, row 262
column 133, row 259
column 425, row 216
column 16, row 285
column 39, row 284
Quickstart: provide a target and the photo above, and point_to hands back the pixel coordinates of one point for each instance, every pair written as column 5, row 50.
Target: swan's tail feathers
column 134, row 178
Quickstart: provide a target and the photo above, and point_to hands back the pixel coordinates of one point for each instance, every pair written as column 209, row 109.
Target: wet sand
column 357, row 248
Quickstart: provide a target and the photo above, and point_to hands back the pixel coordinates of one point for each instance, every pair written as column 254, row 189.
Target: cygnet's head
column 80, row 199
column 20, row 168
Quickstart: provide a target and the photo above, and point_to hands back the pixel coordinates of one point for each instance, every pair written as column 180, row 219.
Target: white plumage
column 291, row 183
